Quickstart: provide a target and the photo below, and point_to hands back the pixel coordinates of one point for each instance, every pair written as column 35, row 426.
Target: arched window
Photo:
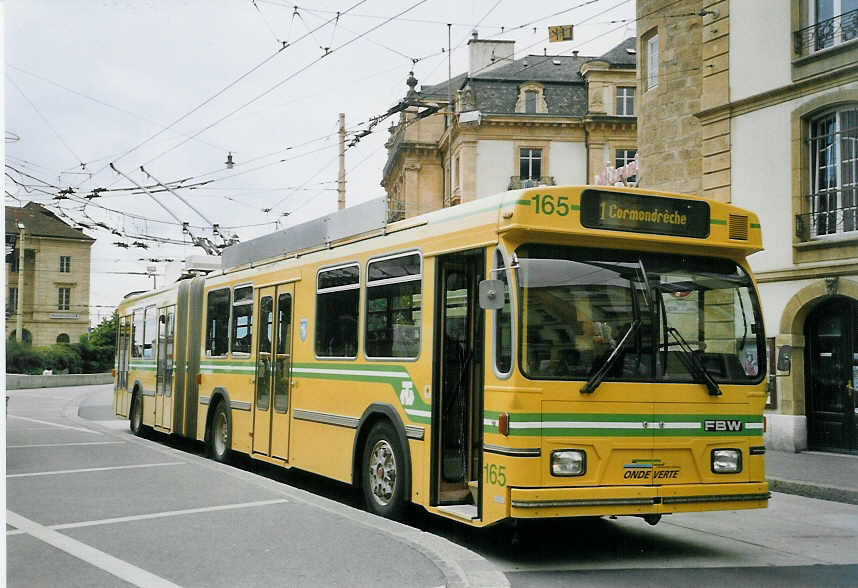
column 63, row 338
column 25, row 336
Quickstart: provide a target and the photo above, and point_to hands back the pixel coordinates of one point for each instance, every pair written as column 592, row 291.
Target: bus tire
column 382, row 472
column 135, row 419
column 220, row 434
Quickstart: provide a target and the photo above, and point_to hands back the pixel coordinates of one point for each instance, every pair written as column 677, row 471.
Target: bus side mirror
column 491, row 295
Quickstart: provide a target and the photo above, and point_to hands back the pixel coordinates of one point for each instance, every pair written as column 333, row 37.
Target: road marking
column 20, row 418
column 84, row 470
column 66, row 444
column 156, row 515
column 112, row 565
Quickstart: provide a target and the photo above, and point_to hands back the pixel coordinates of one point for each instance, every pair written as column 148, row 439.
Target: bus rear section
column 641, row 389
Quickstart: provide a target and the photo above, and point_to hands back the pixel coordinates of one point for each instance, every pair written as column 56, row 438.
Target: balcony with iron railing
column 826, row 33
column 833, row 215
column 517, row 183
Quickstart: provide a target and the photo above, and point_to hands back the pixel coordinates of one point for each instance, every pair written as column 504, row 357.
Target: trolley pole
column 341, row 182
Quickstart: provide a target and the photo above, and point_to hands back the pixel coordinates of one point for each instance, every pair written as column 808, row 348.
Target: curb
column 832, row 493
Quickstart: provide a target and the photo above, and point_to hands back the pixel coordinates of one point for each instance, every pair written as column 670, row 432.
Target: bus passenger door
column 457, row 405
column 273, row 371
column 282, row 372
column 165, row 369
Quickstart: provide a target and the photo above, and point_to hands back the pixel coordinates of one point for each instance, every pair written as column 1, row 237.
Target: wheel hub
column 382, row 472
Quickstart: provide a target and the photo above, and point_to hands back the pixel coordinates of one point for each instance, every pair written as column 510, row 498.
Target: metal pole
column 341, row 182
column 19, row 311
column 450, row 111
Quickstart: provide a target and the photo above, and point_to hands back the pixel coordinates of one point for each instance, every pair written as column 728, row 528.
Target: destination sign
column 636, row 213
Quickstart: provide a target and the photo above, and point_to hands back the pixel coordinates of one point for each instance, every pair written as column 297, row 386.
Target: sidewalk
column 828, row 476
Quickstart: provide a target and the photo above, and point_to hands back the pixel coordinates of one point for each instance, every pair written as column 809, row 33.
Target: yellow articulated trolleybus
column 550, row 352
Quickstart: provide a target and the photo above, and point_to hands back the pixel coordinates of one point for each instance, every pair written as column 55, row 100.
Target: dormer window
column 531, row 99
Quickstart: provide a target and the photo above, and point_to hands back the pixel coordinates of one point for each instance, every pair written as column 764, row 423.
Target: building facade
column 773, row 128
column 51, row 286
column 536, row 120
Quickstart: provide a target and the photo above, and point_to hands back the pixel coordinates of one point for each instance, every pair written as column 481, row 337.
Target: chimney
column 486, row 55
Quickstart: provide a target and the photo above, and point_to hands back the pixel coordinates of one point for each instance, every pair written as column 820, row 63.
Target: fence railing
column 517, row 183
column 826, row 33
column 825, row 218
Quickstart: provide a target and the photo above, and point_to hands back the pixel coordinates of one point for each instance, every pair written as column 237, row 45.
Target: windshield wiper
column 600, row 374
column 693, row 364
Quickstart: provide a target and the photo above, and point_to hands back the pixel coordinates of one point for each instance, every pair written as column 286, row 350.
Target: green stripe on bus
column 396, row 376
column 717, row 221
column 755, row 225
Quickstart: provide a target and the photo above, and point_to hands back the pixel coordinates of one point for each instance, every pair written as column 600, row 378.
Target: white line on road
column 112, row 565
column 156, row 515
column 84, row 470
column 66, row 444
column 20, row 418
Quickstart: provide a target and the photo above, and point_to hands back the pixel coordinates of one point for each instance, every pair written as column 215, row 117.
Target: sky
column 177, row 85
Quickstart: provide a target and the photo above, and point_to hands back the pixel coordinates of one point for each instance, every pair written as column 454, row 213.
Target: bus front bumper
column 635, row 500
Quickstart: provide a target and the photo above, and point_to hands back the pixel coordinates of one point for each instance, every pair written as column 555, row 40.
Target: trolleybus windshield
column 586, row 315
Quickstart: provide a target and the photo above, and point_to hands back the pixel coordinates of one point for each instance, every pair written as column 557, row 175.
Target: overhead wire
column 102, row 103
column 45, row 120
column 287, row 79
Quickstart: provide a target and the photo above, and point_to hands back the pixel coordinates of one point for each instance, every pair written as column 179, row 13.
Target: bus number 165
column 545, row 204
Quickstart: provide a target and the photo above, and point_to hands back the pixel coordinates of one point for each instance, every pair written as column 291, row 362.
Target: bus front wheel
column 383, row 470
column 220, row 434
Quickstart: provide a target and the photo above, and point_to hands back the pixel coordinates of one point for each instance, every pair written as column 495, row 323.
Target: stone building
column 535, row 120
column 55, row 294
column 756, row 103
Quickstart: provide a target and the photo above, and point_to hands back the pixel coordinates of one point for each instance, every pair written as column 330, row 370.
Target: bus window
column 217, row 320
column 150, row 327
column 242, row 319
column 137, row 334
column 503, row 321
column 393, row 307
column 337, row 300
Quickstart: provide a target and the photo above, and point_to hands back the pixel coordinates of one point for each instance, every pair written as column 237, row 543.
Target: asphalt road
column 91, row 505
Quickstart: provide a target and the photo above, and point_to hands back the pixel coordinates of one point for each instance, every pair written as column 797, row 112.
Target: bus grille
column 739, row 227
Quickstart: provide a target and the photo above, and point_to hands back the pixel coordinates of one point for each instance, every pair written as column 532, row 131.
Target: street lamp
column 19, row 303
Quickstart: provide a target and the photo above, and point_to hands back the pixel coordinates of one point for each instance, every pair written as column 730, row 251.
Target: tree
column 104, row 335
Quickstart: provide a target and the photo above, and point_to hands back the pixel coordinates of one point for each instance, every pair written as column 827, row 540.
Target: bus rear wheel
column 135, row 422
column 220, row 434
column 382, row 471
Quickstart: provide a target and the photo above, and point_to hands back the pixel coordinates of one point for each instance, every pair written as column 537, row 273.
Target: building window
column 834, row 22
column 337, row 300
column 65, row 264
column 623, row 158
column 64, row 299
column 530, row 164
column 13, row 261
column 12, row 302
column 530, row 101
column 393, row 297
column 652, row 62
column 63, row 338
column 625, row 101
column 833, row 149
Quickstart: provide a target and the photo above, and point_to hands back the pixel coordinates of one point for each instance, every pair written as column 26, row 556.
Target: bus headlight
column 726, row 461
column 568, row 462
